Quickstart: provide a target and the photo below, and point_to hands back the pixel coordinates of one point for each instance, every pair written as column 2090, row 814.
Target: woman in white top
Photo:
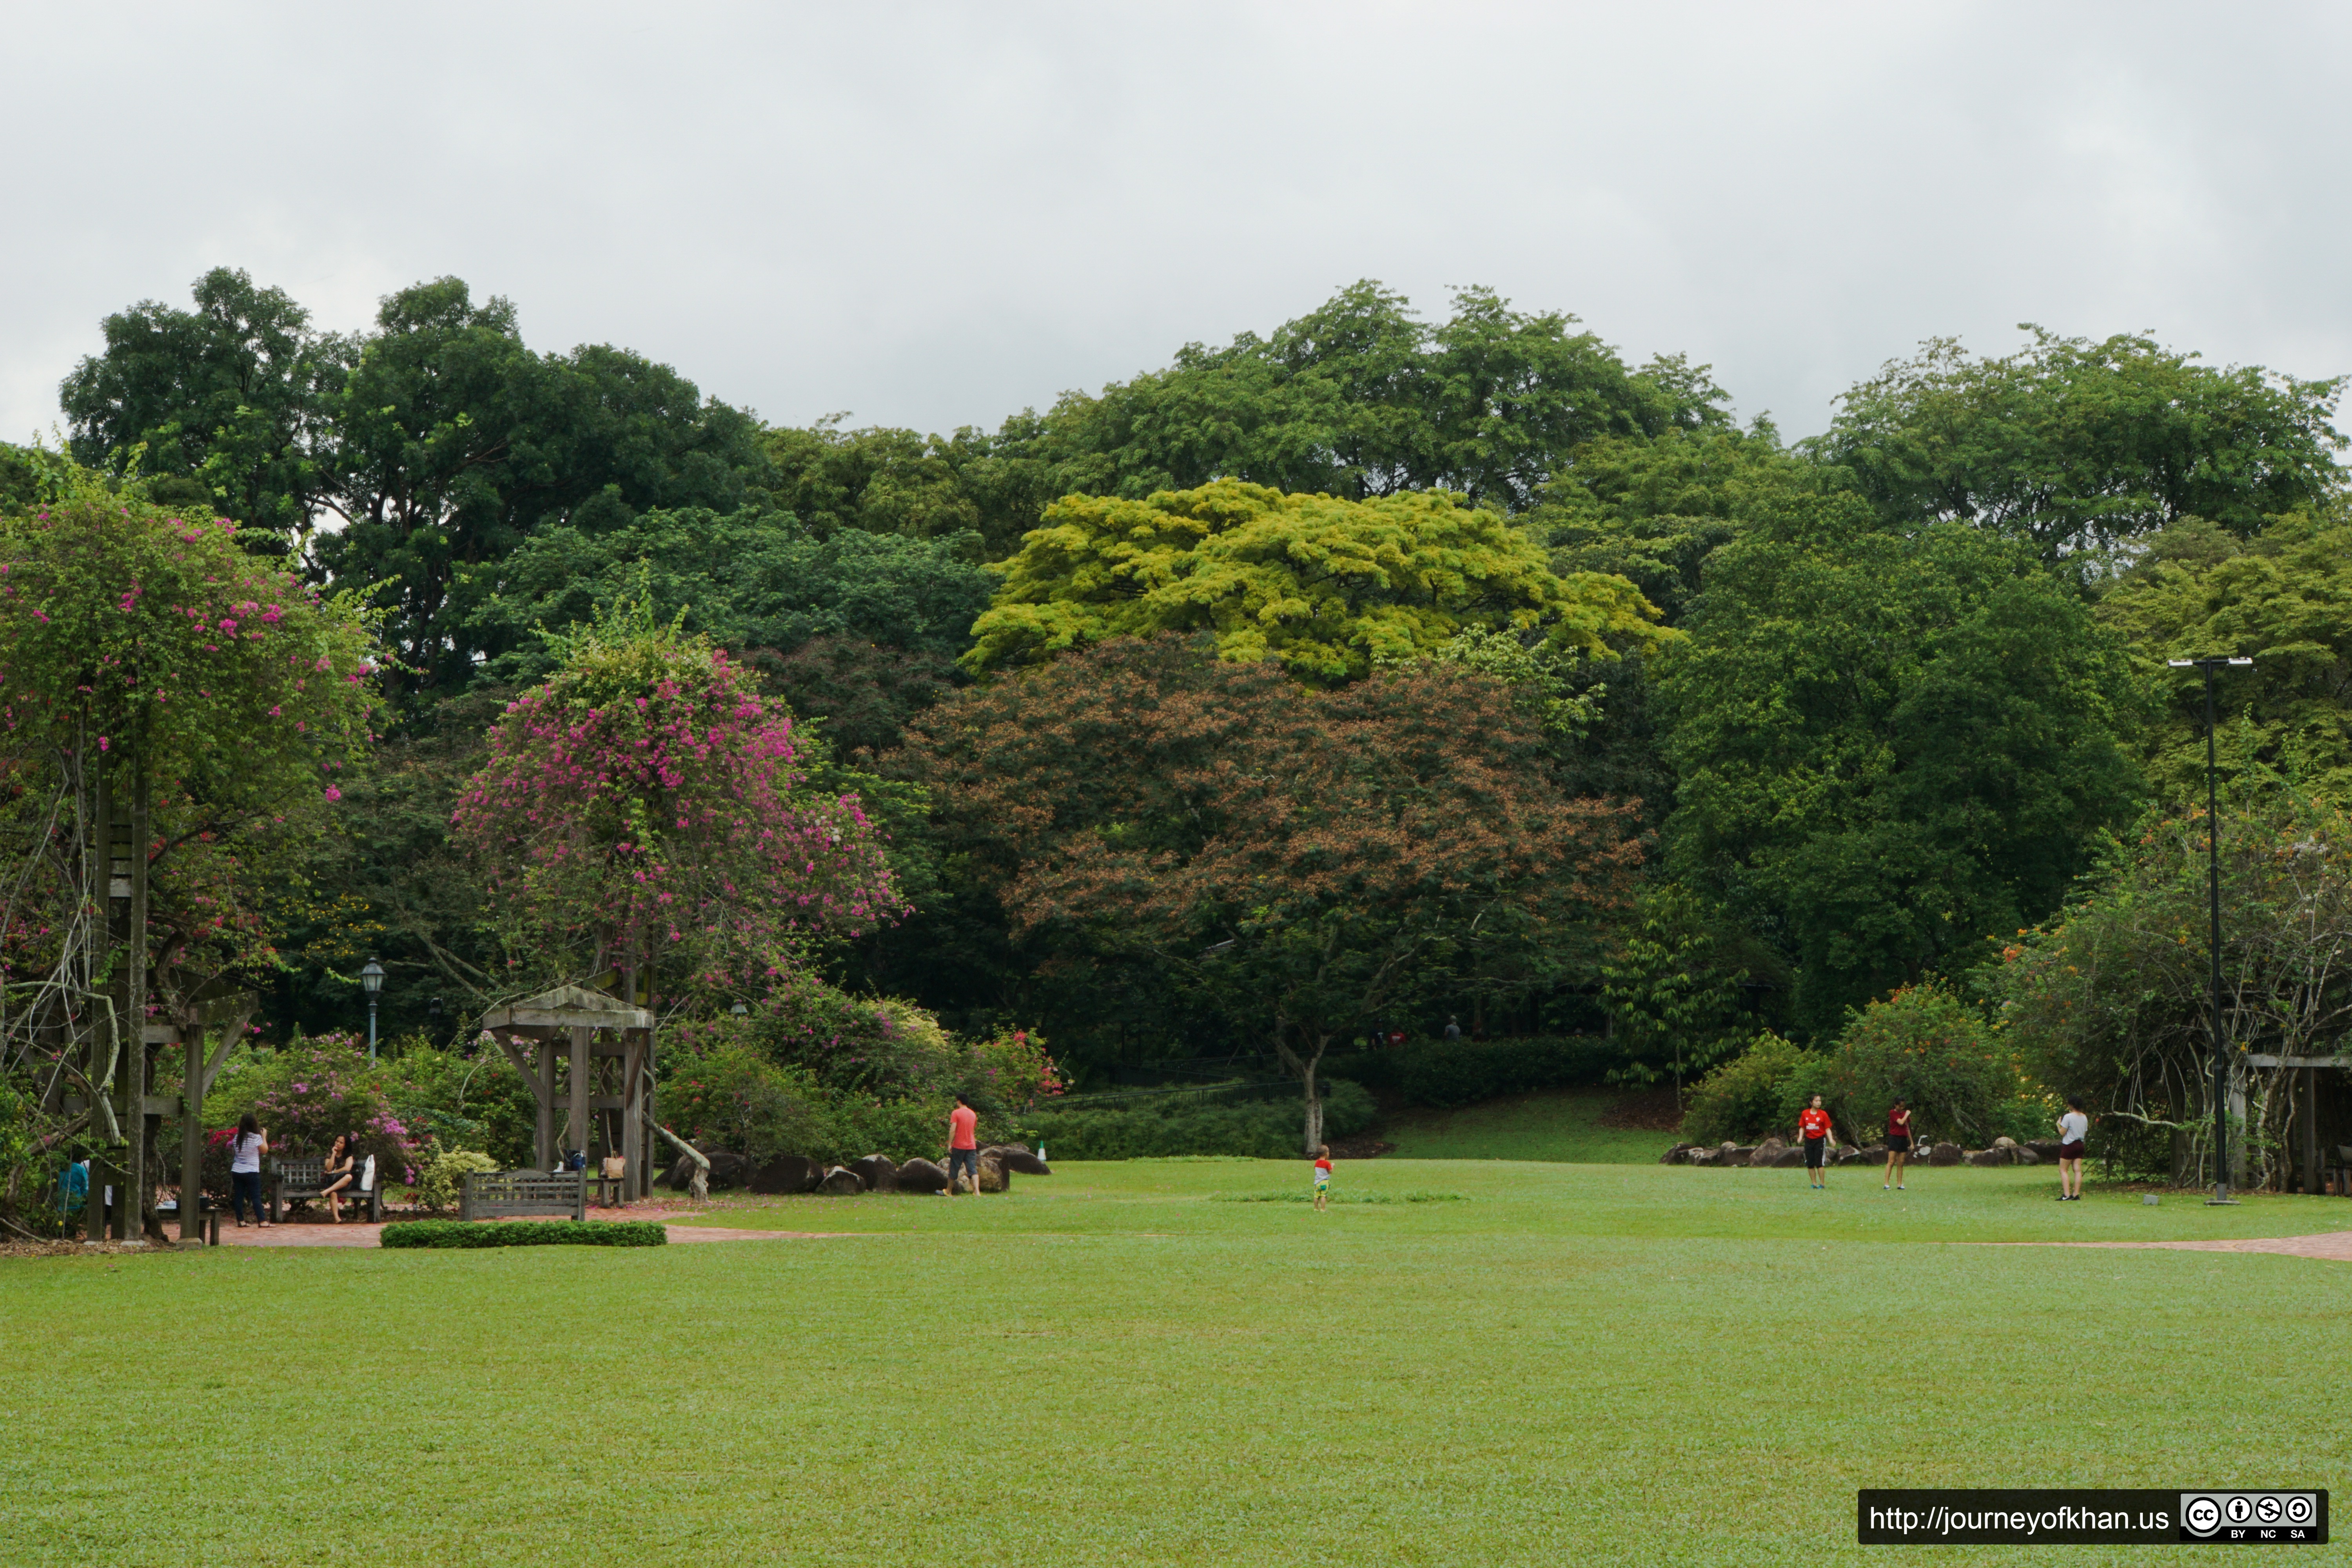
column 247, row 1145
column 2073, row 1129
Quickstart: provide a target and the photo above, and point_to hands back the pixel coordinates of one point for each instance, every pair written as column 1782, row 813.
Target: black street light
column 2213, row 892
column 372, row 982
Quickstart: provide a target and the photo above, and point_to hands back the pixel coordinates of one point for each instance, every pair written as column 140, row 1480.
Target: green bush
column 1935, row 1051
column 1755, row 1094
column 442, row 1180
column 1268, row 1129
column 1442, row 1073
column 526, row 1233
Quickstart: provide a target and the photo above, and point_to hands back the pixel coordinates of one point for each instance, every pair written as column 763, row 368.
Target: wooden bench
column 291, row 1179
column 500, row 1194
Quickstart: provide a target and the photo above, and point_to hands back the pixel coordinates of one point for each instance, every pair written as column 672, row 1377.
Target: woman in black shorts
column 1898, row 1144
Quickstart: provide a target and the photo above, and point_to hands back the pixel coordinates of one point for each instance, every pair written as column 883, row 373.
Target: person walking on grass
column 963, row 1147
column 1322, row 1177
column 1898, row 1144
column 1813, row 1127
column 247, row 1145
column 2074, row 1130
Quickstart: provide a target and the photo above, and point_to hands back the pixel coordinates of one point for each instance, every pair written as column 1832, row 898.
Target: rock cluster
column 1774, row 1153
column 873, row 1174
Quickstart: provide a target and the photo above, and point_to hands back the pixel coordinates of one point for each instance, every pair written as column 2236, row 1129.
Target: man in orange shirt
column 963, row 1149
column 1813, row 1127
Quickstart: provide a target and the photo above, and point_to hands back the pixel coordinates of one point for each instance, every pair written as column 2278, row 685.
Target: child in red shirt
column 1813, row 1127
column 1322, row 1177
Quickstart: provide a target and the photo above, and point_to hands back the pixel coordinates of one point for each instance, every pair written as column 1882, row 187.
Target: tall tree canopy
column 2077, row 445
column 1890, row 746
column 1326, row 586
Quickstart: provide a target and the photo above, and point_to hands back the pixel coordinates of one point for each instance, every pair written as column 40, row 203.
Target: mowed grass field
column 1563, row 1127
column 1120, row 1366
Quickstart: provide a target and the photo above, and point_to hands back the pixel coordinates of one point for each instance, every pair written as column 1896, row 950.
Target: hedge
column 1443, row 1073
column 526, row 1233
column 1268, row 1129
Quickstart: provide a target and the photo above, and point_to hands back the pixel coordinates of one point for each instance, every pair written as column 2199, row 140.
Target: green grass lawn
column 1629, row 1363
column 1564, row 1127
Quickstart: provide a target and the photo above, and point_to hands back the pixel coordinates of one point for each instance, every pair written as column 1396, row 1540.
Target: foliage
column 1303, row 857
column 1326, row 586
column 1442, row 1073
column 731, row 1098
column 1931, row 1048
column 862, row 694
column 1755, row 1094
column 1674, row 990
column 314, row 1089
column 1012, row 1073
column 1360, row 399
column 441, row 1180
column 2110, row 999
column 1889, row 746
column 1259, row 1130
column 745, row 580
column 2283, row 598
column 525, row 1233
column 2075, row 447
column 643, row 807
column 477, row 1101
column 900, row 482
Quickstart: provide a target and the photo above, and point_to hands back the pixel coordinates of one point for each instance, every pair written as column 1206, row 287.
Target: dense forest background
column 1753, row 732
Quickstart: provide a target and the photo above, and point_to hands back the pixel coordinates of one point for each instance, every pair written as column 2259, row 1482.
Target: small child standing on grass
column 1322, row 1176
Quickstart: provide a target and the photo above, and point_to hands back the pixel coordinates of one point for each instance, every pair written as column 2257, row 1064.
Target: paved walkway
column 353, row 1234
column 2335, row 1246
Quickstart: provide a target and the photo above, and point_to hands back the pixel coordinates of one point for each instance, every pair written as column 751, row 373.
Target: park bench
column 293, row 1179
column 500, row 1194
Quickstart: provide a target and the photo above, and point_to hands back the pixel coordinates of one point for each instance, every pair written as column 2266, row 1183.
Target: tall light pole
column 372, row 982
column 2213, row 937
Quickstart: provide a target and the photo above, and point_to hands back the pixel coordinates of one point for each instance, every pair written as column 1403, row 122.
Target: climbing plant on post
column 173, row 711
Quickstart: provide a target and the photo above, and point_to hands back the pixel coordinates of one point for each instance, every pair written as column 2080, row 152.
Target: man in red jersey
column 1813, row 1127
column 963, row 1149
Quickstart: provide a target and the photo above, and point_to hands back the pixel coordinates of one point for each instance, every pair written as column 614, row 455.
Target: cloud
column 935, row 215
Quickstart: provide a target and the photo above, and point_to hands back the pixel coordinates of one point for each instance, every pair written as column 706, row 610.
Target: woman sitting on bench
column 340, row 1169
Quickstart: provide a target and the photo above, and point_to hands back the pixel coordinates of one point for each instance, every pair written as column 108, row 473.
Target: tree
column 2110, row 999
column 1889, row 746
column 1326, row 586
column 1304, row 858
column 746, row 580
column 2078, row 446
column 642, row 809
column 1673, row 989
column 2284, row 598
column 227, row 402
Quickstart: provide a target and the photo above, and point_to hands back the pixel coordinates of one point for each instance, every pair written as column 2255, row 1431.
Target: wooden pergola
column 609, row 1044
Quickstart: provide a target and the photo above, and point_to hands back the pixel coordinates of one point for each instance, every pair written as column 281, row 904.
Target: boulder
column 728, row 1170
column 1017, row 1157
column 2004, row 1142
column 921, row 1176
column 1987, row 1157
column 875, row 1173
column 1944, row 1155
column 1848, row 1154
column 1875, row 1155
column 2046, row 1148
column 2022, row 1155
column 788, row 1173
column 1677, row 1155
column 841, row 1182
column 994, row 1176
column 1698, row 1157
column 1767, row 1152
column 1741, row 1154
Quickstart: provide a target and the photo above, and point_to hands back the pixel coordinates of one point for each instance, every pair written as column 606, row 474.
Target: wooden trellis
column 608, row 1045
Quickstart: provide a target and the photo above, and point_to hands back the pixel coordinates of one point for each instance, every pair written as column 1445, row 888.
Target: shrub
column 443, row 1180
column 1443, row 1073
column 476, row 1101
column 730, row 1097
column 1754, row 1095
column 1265, row 1131
column 311, row 1089
column 1934, row 1050
column 526, row 1233
column 1010, row 1072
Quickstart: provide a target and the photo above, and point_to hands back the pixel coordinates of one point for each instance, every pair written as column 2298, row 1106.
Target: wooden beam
column 582, row 1091
column 633, row 1117
column 546, row 1075
column 523, row 1065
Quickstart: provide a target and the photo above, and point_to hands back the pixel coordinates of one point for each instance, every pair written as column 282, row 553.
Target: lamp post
column 2213, row 937
column 372, row 982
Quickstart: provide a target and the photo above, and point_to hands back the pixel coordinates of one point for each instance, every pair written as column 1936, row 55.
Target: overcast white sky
column 935, row 214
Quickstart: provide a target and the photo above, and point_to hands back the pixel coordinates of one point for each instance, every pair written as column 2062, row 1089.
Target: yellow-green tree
column 1326, row 586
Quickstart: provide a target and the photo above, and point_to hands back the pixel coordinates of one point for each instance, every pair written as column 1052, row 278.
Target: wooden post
column 2311, row 1132
column 139, row 1187
column 632, row 1115
column 545, row 1049
column 583, row 1089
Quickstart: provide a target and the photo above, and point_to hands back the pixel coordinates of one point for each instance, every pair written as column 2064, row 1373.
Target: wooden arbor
column 608, row 1046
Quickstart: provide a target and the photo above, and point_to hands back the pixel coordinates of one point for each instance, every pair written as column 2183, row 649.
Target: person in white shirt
column 247, row 1145
column 2074, row 1128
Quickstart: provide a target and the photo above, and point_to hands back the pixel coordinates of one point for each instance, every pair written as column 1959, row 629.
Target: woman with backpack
column 247, row 1145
